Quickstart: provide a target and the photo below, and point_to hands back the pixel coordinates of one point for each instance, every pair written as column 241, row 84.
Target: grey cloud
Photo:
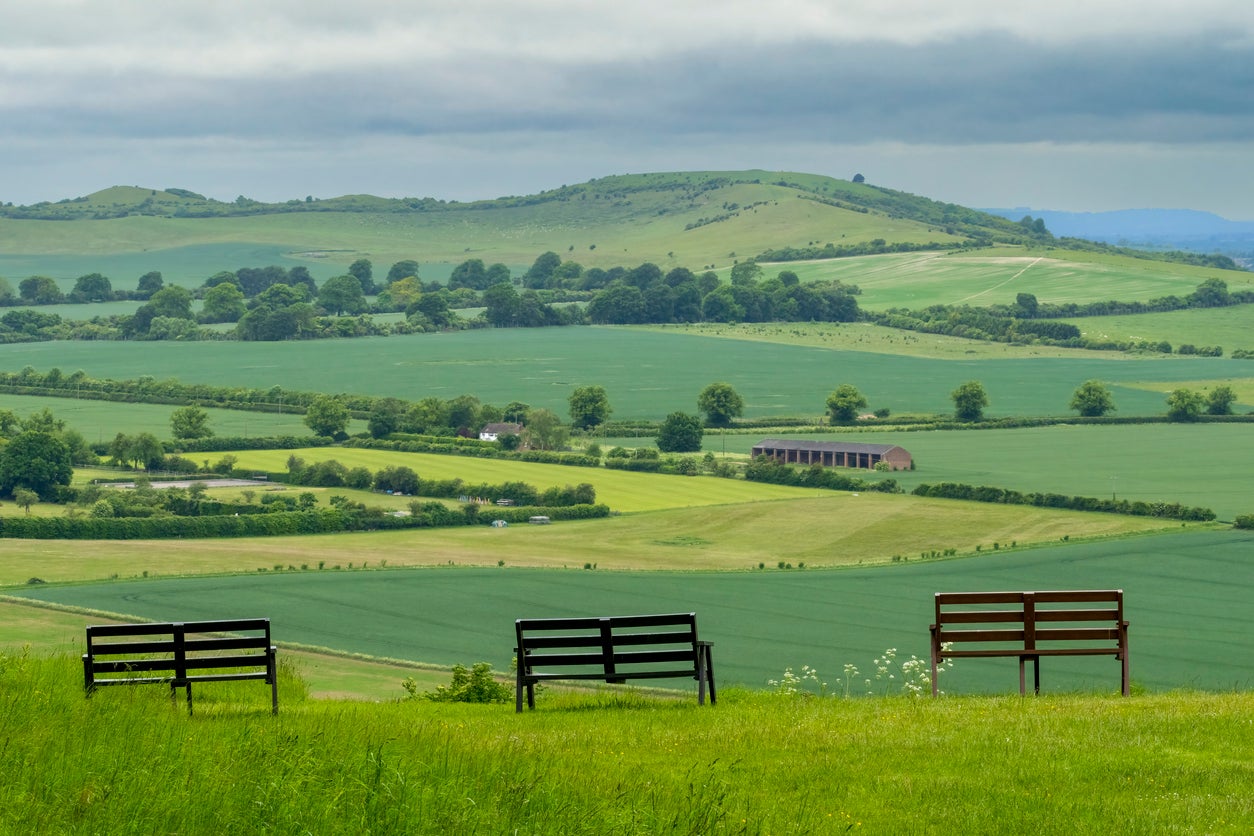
column 979, row 90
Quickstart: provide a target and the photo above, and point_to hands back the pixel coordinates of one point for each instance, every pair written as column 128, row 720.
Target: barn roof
column 825, row 446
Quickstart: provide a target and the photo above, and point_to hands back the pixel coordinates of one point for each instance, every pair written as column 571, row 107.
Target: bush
column 474, row 685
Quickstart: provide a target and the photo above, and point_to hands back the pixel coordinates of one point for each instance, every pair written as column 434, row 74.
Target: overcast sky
column 1073, row 104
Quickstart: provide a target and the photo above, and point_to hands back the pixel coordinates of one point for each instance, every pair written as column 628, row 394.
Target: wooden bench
column 180, row 654
column 1029, row 625
column 613, row 649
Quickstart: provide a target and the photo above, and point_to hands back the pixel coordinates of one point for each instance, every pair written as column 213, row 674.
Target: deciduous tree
column 680, row 433
column 844, row 403
column 589, row 407
column 969, row 401
column 720, row 403
column 1092, row 399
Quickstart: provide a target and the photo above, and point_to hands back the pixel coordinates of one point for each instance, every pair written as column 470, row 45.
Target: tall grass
column 128, row 761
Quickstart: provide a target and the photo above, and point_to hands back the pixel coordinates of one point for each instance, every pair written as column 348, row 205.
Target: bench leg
column 1022, row 681
column 709, row 672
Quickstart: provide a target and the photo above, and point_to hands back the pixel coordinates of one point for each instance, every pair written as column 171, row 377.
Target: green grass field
column 996, row 276
column 1228, row 328
column 753, row 764
column 1190, row 464
column 1185, row 597
column 100, row 421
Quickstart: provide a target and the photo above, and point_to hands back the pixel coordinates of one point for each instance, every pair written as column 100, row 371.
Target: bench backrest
column 177, row 652
column 1029, row 620
column 610, row 647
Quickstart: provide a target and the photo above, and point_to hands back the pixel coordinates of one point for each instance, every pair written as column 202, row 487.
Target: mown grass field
column 647, row 374
column 1186, row 599
column 755, row 763
column 819, row 531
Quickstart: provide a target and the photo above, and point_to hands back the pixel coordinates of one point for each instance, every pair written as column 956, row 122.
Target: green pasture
column 1228, row 328
column 187, row 265
column 100, row 421
column 1186, row 600
column 1206, row 465
column 647, row 374
column 996, row 276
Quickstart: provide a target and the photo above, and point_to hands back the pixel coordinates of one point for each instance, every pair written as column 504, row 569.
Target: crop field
column 760, row 621
column 647, row 374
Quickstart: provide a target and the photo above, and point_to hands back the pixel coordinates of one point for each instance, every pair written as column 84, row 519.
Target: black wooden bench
column 180, row 654
column 613, row 649
column 1029, row 625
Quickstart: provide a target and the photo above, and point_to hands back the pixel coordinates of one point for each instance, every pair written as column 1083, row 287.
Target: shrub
column 474, row 685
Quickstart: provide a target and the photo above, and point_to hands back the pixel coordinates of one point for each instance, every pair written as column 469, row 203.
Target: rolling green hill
column 692, row 219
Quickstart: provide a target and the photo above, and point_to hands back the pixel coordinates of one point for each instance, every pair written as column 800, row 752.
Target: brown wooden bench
column 180, row 654
column 613, row 649
column 1029, row 625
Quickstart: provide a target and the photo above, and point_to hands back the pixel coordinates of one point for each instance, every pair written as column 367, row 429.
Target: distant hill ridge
column 646, row 192
column 709, row 215
column 1185, row 229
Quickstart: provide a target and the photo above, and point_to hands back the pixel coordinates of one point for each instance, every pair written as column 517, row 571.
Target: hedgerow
column 281, row 523
column 1136, row 508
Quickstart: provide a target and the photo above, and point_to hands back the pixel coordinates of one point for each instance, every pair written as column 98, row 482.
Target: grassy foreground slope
column 1175, row 763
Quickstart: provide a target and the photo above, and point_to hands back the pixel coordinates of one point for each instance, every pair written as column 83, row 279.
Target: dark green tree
column 969, row 401
column 386, row 417
column 680, row 433
column 470, row 273
column 402, row 270
column 1185, row 405
column 40, row 290
column 190, row 422
column 37, row 461
column 844, row 403
column 363, row 271
column 1220, row 400
column 92, row 287
column 545, row 431
column 589, row 407
column 540, row 274
column 342, row 295
column 720, row 403
column 501, row 304
column 223, row 303
column 1092, row 399
column 327, row 416
column 149, row 283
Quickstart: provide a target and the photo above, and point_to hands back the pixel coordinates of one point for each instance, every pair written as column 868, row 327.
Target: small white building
column 492, row 432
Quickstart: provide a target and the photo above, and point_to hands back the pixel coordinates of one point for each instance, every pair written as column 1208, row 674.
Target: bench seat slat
column 1040, row 651
column 981, row 636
